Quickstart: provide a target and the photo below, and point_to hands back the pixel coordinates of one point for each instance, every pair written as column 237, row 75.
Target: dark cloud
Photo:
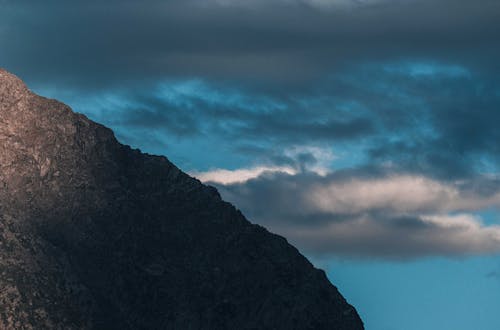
column 333, row 57
column 458, row 121
column 421, row 117
column 95, row 43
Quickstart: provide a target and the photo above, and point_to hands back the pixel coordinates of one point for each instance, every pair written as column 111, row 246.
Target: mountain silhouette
column 97, row 235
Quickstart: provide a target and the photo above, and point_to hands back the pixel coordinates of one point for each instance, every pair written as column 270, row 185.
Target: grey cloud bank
column 285, row 42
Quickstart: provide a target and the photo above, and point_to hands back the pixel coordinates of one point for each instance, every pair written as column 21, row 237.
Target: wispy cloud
column 242, row 175
column 301, row 159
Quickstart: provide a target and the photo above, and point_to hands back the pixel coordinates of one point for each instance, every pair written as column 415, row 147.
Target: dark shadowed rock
column 96, row 235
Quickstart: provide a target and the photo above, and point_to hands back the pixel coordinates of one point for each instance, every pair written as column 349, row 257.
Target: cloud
column 300, row 159
column 386, row 216
column 290, row 43
column 392, row 79
column 398, row 193
column 427, row 119
column 400, row 238
column 319, row 4
column 222, row 176
column 311, row 158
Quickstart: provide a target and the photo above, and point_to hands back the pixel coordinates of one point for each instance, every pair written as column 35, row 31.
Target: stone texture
column 96, row 235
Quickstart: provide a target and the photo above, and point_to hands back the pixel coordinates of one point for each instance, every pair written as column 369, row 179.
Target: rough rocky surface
column 96, row 235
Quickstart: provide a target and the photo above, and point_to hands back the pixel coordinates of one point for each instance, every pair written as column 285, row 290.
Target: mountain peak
column 10, row 85
column 96, row 235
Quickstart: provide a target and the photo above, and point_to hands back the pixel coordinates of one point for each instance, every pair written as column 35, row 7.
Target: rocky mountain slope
column 96, row 235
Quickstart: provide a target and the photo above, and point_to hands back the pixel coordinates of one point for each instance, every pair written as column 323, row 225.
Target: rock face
column 96, row 235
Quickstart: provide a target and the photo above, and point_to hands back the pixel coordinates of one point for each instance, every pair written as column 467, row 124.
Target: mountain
column 96, row 235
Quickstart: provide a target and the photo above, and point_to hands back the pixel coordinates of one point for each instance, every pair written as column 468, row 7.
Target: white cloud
column 320, row 165
column 401, row 194
column 226, row 177
column 400, row 216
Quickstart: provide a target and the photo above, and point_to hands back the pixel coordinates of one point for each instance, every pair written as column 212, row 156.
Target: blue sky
column 365, row 132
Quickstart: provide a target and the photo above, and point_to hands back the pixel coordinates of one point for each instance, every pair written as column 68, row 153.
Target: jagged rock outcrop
column 96, row 235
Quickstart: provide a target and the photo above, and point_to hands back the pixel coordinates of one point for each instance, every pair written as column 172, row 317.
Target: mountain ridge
column 97, row 235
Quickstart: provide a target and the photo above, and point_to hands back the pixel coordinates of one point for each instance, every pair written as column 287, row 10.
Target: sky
column 364, row 131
